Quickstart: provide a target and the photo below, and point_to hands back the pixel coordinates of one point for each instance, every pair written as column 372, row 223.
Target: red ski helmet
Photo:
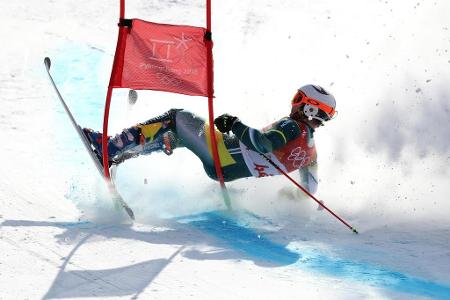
column 314, row 102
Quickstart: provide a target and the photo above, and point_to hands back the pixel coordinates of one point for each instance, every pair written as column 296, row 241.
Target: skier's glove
column 225, row 122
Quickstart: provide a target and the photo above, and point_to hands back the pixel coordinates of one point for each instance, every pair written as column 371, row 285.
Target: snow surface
column 384, row 161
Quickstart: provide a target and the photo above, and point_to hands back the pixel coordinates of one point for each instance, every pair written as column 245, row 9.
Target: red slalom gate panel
column 171, row 58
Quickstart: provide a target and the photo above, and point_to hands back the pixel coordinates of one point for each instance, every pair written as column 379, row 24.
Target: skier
column 288, row 142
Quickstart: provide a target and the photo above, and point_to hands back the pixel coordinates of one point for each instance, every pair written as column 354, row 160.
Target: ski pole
column 308, row 193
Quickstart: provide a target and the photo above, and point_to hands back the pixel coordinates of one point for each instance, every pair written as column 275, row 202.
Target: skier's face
column 300, row 116
column 314, row 123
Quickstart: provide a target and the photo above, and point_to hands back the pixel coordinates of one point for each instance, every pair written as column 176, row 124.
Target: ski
column 116, row 197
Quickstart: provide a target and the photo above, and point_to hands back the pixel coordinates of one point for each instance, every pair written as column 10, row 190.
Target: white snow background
column 383, row 162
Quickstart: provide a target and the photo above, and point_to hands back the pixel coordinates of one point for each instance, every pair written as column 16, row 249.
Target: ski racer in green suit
column 288, row 142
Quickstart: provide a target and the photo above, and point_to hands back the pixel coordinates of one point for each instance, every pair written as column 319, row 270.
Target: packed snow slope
column 383, row 162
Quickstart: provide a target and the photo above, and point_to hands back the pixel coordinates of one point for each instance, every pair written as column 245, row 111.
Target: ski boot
column 118, row 146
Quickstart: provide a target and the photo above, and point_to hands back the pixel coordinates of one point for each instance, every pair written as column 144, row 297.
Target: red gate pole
column 212, row 133
column 105, row 134
column 108, row 99
column 122, row 9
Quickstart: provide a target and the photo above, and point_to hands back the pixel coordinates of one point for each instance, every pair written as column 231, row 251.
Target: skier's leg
column 194, row 134
column 191, row 134
column 175, row 128
column 157, row 134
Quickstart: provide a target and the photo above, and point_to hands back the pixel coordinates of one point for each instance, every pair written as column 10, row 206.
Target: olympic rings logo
column 298, row 157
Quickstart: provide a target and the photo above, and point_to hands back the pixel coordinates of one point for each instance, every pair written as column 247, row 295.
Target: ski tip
column 130, row 213
column 47, row 63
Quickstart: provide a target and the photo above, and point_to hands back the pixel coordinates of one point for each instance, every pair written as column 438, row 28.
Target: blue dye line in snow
column 376, row 276
column 80, row 74
column 242, row 238
column 229, row 229
column 80, row 224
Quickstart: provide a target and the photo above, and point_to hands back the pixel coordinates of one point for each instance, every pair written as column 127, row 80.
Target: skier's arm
column 308, row 177
column 276, row 137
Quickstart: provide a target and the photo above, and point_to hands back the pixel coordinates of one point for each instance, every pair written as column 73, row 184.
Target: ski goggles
column 325, row 112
